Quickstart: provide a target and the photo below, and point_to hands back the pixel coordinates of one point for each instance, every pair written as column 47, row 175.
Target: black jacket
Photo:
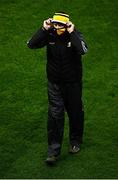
column 63, row 54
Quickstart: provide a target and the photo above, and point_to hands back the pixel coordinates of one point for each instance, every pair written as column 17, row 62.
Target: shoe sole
column 53, row 162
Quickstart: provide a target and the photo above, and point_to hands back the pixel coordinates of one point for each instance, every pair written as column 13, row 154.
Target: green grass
column 23, row 91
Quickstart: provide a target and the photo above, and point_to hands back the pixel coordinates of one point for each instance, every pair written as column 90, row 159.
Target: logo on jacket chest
column 69, row 44
column 66, row 45
column 51, row 43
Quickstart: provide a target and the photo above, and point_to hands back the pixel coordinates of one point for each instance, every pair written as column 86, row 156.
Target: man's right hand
column 47, row 24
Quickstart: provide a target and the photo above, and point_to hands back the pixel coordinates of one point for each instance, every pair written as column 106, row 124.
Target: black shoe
column 74, row 148
column 51, row 160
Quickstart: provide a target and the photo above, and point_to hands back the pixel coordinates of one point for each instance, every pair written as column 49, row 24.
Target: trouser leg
column 55, row 124
column 74, row 107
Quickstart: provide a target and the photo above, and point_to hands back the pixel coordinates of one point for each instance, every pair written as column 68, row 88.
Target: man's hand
column 70, row 27
column 47, row 24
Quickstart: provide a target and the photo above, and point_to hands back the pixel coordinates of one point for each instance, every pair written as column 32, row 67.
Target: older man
column 65, row 46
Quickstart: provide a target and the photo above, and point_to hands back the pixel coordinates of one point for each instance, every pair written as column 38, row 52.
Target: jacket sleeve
column 39, row 39
column 78, row 42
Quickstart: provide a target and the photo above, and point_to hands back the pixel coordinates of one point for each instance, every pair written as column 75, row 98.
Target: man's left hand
column 70, row 27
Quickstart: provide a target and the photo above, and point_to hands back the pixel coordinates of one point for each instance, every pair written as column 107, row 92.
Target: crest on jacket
column 69, row 44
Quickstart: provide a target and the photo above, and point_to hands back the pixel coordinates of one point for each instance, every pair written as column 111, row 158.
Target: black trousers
column 63, row 97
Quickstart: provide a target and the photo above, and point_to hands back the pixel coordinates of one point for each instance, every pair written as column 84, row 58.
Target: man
column 65, row 45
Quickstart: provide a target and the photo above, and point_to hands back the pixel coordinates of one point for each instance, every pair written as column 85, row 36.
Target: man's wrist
column 43, row 28
column 71, row 31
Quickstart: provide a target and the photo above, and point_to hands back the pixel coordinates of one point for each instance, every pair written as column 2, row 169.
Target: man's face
column 60, row 28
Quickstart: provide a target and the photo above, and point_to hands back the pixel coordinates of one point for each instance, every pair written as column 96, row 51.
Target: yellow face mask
column 61, row 31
